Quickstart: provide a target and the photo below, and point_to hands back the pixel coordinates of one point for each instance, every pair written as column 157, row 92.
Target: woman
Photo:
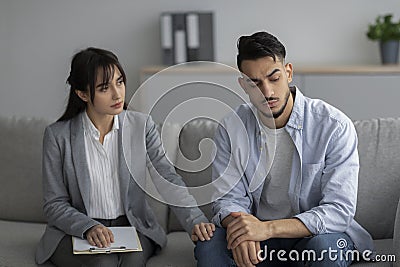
column 87, row 186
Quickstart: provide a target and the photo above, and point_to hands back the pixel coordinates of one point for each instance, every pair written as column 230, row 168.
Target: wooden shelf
column 345, row 69
column 360, row 69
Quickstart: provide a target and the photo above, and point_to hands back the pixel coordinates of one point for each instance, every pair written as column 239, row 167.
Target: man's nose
column 266, row 89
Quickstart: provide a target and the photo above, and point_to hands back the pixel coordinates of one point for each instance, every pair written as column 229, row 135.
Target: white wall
column 39, row 37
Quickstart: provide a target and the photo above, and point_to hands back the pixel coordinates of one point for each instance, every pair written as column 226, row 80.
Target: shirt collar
column 89, row 127
column 297, row 116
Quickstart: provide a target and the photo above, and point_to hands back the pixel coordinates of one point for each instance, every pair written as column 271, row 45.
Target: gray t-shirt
column 274, row 202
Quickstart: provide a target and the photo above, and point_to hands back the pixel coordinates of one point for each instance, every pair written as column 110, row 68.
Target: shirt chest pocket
column 311, row 179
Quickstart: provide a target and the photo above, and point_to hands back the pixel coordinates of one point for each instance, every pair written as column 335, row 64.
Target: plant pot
column 389, row 52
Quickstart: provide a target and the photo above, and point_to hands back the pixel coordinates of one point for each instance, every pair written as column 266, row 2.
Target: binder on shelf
column 206, row 23
column 200, row 36
column 125, row 240
column 166, row 39
column 193, row 36
column 179, row 31
column 186, row 37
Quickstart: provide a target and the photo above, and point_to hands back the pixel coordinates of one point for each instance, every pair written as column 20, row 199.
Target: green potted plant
column 387, row 32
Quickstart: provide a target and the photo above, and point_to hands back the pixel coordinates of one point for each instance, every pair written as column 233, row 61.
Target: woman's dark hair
column 258, row 45
column 84, row 68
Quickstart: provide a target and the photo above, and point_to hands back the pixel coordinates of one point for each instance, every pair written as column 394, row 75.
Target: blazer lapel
column 79, row 158
column 124, row 174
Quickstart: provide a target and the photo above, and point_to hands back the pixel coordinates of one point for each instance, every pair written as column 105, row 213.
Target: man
column 294, row 171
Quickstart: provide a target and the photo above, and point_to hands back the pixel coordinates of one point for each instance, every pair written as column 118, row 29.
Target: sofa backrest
column 379, row 178
column 20, row 169
column 21, row 194
column 195, row 142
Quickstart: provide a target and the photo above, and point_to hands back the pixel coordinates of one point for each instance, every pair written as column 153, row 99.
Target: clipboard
column 126, row 239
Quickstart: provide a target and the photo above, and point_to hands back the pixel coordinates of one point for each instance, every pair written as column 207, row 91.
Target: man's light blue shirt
column 324, row 175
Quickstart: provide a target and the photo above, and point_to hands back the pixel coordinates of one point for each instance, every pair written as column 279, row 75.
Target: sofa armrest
column 396, row 237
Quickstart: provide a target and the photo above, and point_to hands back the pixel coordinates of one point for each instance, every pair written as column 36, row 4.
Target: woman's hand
column 203, row 231
column 100, row 236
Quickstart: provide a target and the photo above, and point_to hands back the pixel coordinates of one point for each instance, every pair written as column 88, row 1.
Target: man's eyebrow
column 269, row 75
column 120, row 77
column 273, row 72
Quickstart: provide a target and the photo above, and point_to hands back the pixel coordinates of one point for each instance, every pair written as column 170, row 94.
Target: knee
column 329, row 242
column 318, row 243
column 330, row 250
column 214, row 252
column 217, row 245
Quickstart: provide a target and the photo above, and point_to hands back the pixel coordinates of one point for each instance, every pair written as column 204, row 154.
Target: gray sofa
column 22, row 222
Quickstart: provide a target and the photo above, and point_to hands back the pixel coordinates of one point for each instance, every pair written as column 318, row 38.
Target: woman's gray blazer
column 66, row 183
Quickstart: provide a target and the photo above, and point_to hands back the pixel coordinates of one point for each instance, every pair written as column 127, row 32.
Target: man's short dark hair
column 258, row 45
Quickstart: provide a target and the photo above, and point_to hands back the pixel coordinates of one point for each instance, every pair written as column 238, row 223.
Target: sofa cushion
column 396, row 236
column 194, row 159
column 379, row 178
column 18, row 243
column 20, row 169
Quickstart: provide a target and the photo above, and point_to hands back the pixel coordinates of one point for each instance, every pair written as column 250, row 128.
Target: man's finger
column 237, row 223
column 253, row 252
column 258, row 248
column 234, row 236
column 232, row 229
column 239, row 257
column 235, row 257
column 233, row 222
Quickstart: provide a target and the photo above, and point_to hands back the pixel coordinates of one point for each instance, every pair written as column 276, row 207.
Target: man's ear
column 289, row 72
column 242, row 84
column 82, row 95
